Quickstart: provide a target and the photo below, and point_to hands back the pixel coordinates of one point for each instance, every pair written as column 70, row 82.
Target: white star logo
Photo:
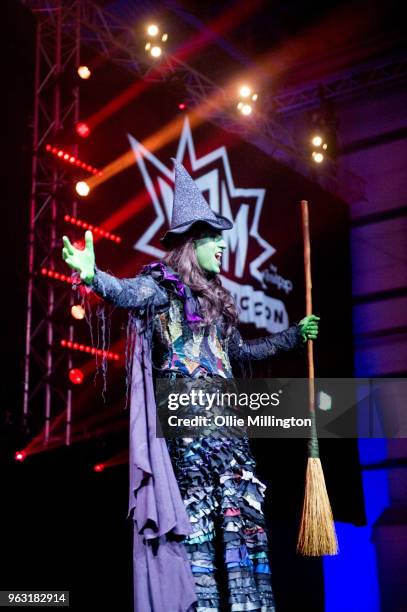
column 218, row 183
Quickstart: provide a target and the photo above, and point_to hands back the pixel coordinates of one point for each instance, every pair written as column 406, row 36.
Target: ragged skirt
column 227, row 548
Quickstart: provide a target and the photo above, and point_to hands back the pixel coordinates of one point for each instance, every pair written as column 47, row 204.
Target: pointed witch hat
column 190, row 207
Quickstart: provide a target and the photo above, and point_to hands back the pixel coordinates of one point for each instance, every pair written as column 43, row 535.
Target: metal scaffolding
column 56, row 108
column 341, row 86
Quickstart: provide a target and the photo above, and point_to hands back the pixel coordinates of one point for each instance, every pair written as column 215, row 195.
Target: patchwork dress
column 227, row 548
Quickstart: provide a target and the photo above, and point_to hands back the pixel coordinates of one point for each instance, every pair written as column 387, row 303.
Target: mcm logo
column 213, row 175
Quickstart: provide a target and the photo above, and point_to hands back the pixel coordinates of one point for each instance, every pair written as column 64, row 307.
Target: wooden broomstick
column 317, row 535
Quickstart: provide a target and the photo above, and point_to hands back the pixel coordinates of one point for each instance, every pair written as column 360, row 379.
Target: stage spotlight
column 152, row 45
column 156, row 51
column 89, row 349
column 99, row 467
column 317, row 141
column 245, row 91
column 78, row 312
column 93, row 228
column 82, row 188
column 19, row 456
column 82, row 129
column 71, row 159
column 84, row 72
column 76, row 376
column 57, row 275
column 182, row 106
column 246, row 94
column 152, row 29
column 317, row 157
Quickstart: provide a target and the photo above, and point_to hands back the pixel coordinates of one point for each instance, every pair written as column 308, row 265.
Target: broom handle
column 308, row 310
column 308, row 279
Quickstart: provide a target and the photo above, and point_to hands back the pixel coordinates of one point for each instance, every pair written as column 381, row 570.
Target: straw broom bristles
column 317, row 535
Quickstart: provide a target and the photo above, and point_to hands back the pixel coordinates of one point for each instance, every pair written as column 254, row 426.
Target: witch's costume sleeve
column 267, row 346
column 139, row 293
column 162, row 573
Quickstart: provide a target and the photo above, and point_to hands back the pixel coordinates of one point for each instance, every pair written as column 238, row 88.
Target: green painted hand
column 82, row 261
column 309, row 327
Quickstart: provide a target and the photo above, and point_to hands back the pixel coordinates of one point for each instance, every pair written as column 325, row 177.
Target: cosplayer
column 200, row 540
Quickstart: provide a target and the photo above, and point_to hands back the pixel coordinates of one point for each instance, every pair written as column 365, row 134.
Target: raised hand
column 309, row 327
column 82, row 261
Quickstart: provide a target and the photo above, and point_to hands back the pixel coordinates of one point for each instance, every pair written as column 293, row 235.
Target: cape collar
column 163, row 274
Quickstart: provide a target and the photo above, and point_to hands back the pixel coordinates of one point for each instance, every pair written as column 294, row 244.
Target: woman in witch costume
column 190, row 498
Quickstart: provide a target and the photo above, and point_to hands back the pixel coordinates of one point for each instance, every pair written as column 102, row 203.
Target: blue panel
column 375, row 482
column 351, row 581
column 351, row 577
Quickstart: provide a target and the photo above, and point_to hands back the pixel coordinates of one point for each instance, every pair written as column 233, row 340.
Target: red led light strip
column 90, row 349
column 58, row 276
column 93, row 228
column 71, row 159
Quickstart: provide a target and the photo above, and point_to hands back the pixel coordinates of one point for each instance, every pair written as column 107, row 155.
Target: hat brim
column 220, row 223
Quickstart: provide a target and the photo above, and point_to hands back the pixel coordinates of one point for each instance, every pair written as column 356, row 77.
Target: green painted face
column 209, row 248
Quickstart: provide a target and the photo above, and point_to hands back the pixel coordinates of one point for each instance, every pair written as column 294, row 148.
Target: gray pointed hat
column 190, row 207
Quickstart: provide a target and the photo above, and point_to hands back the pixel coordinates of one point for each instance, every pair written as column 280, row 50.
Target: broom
column 317, row 535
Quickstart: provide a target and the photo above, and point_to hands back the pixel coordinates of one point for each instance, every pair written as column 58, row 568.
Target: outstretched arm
column 137, row 293
column 269, row 346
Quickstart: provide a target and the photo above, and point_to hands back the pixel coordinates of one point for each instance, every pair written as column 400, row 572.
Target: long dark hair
column 217, row 304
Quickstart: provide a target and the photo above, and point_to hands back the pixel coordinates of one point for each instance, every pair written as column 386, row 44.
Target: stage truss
column 56, row 108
